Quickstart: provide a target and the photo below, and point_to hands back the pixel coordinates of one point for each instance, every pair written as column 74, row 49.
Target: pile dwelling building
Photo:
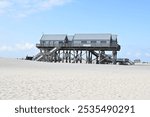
column 78, row 48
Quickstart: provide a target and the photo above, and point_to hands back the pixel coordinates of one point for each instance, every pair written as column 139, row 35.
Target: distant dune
column 20, row 79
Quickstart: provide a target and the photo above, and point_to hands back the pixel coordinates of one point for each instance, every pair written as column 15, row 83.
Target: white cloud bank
column 23, row 8
column 17, row 47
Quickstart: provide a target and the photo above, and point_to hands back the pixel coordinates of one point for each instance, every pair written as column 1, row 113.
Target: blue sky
column 22, row 22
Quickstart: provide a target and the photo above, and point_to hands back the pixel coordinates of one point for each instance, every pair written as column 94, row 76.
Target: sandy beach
column 21, row 79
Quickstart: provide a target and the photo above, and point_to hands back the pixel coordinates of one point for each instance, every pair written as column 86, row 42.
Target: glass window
column 93, row 41
column 98, row 42
column 88, row 42
column 103, row 42
column 84, row 42
column 42, row 42
column 47, row 42
column 77, row 42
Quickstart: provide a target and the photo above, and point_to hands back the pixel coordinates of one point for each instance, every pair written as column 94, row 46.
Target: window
column 56, row 43
column 77, row 42
column 60, row 42
column 89, row 42
column 51, row 43
column 93, row 42
column 42, row 42
column 47, row 42
column 98, row 42
column 103, row 42
column 83, row 42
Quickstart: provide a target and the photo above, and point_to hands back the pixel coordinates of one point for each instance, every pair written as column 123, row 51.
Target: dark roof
column 99, row 36
column 92, row 36
column 53, row 37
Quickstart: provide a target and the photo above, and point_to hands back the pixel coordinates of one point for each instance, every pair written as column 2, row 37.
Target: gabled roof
column 53, row 37
column 92, row 36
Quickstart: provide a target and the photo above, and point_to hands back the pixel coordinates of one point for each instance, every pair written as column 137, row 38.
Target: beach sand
column 21, row 79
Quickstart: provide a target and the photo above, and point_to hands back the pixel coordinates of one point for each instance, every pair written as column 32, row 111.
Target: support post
column 86, row 57
column 77, row 56
column 66, row 56
column 59, row 56
column 69, row 56
column 114, row 57
column 63, row 56
column 81, row 56
column 74, row 59
column 99, row 56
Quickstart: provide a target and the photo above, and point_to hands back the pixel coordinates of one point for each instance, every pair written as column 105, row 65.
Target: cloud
column 147, row 54
column 17, row 47
column 138, row 54
column 6, row 48
column 23, row 8
column 4, row 6
column 25, row 46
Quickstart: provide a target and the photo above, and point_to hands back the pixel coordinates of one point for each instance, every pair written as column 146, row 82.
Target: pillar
column 81, row 56
column 69, row 56
column 114, row 57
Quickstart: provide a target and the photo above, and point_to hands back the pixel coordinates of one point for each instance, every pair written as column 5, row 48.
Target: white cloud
column 17, row 47
column 6, row 48
column 4, row 6
column 23, row 8
column 138, row 54
column 147, row 54
column 25, row 46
